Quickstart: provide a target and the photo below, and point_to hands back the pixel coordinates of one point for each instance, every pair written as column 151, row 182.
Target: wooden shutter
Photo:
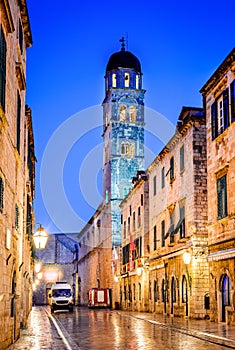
column 18, row 122
column 232, row 96
column 214, row 126
column 225, row 109
column 1, row 195
column 3, row 50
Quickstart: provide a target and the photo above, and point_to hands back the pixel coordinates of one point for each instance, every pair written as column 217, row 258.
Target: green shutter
column 232, row 96
column 155, row 238
column 214, row 127
column 1, row 195
column 172, row 171
column 225, row 109
column 3, row 49
column 18, row 126
column 154, row 185
column 222, row 197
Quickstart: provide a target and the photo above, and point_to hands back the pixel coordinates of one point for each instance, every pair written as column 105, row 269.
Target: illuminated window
column 128, row 150
column 137, row 80
column 132, row 112
column 127, row 80
column 133, row 150
column 122, row 113
column 114, row 80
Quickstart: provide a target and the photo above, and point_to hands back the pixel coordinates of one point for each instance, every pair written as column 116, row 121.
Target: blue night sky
column 179, row 44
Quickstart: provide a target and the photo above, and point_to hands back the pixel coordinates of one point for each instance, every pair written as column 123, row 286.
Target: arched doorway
column 225, row 295
column 173, row 294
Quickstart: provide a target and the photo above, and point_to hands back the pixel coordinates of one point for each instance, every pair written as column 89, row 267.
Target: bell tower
column 123, row 132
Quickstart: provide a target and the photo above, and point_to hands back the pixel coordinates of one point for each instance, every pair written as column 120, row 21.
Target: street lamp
column 40, row 238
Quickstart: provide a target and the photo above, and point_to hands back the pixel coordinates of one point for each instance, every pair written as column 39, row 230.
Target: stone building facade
column 16, row 172
column 175, row 222
column 178, row 221
column 219, row 103
column 135, row 246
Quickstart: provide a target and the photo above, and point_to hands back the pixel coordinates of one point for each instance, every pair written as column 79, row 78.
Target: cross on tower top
column 123, row 47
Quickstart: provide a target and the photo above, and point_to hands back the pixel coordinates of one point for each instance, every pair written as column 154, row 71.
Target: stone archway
column 225, row 297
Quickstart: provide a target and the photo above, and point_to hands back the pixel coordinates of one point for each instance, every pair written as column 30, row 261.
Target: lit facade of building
column 178, row 220
column 219, row 102
column 177, row 223
column 16, row 172
column 133, row 283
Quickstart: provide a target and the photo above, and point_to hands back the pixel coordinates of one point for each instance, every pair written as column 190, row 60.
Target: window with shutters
column 124, row 229
column 172, row 225
column 155, row 237
column 129, row 225
column 1, row 195
column 220, row 114
column 3, row 50
column 222, row 197
column 182, row 222
column 20, row 36
column 163, row 233
column 139, row 217
column 17, row 216
column 172, row 170
column 18, row 124
column 232, row 100
column 163, row 177
column 134, row 221
column 182, row 158
column 154, row 185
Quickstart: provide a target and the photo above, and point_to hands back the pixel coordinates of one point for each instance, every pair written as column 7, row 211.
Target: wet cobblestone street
column 119, row 330
column 39, row 334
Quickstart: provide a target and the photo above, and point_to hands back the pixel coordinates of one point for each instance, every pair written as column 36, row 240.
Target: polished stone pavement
column 42, row 330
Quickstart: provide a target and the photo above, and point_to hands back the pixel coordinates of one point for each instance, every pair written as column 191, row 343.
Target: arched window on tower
column 114, row 80
column 132, row 150
column 128, row 150
column 132, row 113
column 122, row 113
column 127, row 80
column 137, row 82
column 123, row 149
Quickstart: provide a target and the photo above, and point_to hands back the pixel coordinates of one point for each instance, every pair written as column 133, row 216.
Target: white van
column 60, row 296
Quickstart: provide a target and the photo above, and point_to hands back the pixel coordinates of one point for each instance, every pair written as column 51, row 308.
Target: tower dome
column 123, row 59
column 123, row 70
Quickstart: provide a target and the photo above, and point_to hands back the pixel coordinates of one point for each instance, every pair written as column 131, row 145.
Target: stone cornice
column 25, row 22
column 219, row 73
column 8, row 16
